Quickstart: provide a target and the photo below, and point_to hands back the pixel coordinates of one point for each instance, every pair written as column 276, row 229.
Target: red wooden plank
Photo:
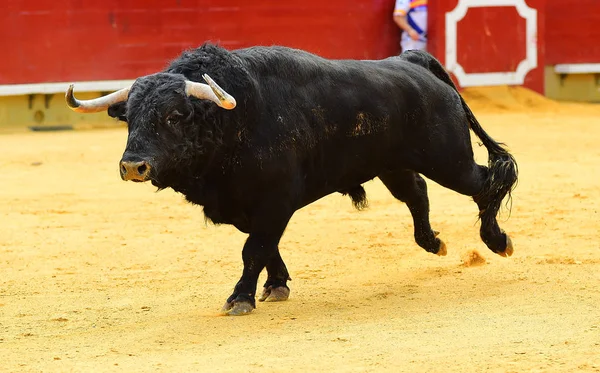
column 573, row 31
column 485, row 44
column 121, row 39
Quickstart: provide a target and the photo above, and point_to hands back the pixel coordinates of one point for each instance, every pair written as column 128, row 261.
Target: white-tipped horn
column 210, row 91
column 97, row 104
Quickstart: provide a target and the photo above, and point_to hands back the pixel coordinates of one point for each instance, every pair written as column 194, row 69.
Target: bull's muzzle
column 135, row 171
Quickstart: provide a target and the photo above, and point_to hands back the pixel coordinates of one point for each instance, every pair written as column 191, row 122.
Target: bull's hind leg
column 275, row 288
column 474, row 180
column 492, row 235
column 410, row 188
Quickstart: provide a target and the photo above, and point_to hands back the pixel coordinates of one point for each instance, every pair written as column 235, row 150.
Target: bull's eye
column 173, row 119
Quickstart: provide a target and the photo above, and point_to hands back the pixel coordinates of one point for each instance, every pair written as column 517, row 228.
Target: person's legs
column 413, row 44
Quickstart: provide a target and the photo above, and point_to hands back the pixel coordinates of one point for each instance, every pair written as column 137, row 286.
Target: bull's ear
column 118, row 110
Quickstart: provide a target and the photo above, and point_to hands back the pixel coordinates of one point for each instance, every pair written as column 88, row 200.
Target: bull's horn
column 210, row 91
column 97, row 104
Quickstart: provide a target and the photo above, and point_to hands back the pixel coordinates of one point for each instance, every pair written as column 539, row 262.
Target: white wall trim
column 577, row 68
column 51, row 88
column 496, row 78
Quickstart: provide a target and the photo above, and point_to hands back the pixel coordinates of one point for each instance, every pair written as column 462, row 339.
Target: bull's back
column 344, row 122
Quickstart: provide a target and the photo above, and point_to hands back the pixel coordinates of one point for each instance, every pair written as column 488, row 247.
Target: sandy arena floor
column 101, row 275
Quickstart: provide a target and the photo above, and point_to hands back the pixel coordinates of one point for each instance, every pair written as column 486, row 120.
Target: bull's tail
column 503, row 169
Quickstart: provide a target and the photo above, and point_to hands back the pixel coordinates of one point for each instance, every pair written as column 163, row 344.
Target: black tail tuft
column 501, row 181
column 358, row 196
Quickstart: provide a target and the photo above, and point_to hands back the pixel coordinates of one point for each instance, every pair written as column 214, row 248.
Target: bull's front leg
column 275, row 288
column 259, row 250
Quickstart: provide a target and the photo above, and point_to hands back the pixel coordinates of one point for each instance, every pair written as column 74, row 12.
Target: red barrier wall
column 70, row 40
column 573, row 31
column 74, row 40
column 490, row 39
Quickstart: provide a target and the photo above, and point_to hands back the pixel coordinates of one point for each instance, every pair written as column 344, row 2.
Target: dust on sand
column 101, row 275
column 472, row 258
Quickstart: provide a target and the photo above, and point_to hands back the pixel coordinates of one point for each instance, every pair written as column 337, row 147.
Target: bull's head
column 160, row 117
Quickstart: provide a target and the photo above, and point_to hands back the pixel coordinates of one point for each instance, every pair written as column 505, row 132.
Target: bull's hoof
column 278, row 294
column 237, row 308
column 442, row 251
column 509, row 248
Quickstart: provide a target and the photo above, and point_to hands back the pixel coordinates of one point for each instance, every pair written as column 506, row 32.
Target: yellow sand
column 101, row 275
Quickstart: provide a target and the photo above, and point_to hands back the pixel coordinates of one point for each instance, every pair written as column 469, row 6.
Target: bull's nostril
column 135, row 171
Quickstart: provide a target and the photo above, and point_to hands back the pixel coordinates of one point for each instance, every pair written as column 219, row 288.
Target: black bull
column 303, row 127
